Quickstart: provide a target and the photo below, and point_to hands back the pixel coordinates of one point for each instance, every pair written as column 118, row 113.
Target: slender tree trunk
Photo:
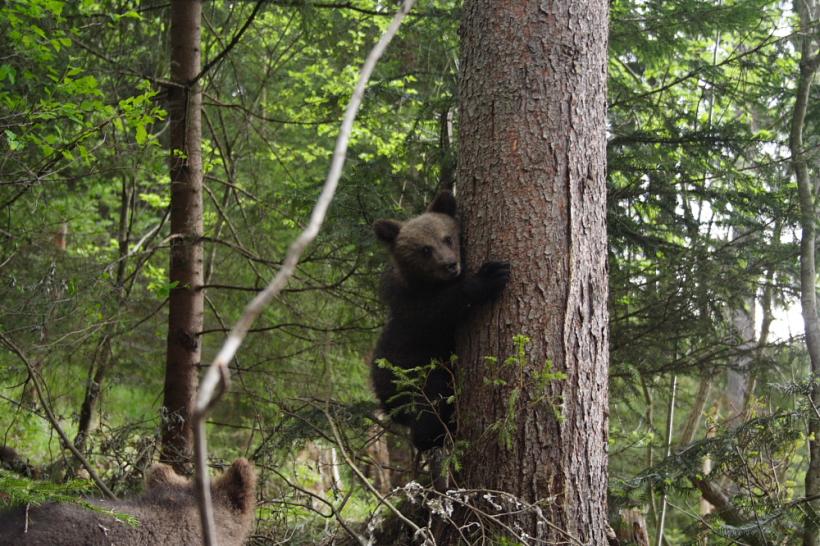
column 693, row 422
column 808, row 281
column 739, row 376
column 531, row 178
column 807, row 192
column 670, row 428
column 186, row 266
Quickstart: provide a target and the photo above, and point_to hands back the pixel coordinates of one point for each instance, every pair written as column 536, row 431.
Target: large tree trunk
column 186, row 267
column 531, row 178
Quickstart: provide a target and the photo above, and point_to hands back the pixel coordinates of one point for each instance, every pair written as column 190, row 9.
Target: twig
column 334, row 511
column 230, row 46
column 769, row 40
column 215, row 383
column 670, row 420
column 418, row 530
column 432, row 12
column 68, row 444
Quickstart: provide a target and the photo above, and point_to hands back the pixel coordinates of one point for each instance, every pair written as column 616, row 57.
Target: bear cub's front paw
column 494, row 277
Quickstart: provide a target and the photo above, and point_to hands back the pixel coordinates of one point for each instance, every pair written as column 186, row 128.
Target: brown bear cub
column 428, row 294
column 167, row 512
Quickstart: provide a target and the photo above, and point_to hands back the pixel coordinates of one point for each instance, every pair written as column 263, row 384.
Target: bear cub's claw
column 494, row 275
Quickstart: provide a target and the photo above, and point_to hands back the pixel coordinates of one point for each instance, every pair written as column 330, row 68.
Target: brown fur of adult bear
column 167, row 512
column 428, row 295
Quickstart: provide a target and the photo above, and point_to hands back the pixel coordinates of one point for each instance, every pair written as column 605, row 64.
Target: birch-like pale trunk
column 807, row 193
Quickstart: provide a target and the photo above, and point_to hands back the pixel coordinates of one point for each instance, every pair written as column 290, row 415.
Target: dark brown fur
column 167, row 514
column 428, row 295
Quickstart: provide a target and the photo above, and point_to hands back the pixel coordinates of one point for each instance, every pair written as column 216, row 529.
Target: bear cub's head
column 425, row 248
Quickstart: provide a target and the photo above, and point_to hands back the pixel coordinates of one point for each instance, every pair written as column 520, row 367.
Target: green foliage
column 23, row 491
column 516, row 373
column 19, row 490
column 410, row 380
column 455, row 455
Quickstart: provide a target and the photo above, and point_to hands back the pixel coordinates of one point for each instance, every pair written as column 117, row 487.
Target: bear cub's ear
column 238, row 485
column 444, row 203
column 387, row 230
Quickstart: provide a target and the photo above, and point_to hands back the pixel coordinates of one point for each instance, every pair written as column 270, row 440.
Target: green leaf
column 141, row 135
column 12, row 141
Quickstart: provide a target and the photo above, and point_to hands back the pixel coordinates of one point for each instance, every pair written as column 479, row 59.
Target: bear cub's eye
column 448, row 241
column 427, row 250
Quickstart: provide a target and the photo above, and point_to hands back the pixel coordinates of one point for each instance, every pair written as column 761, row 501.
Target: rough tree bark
column 186, row 265
column 531, row 181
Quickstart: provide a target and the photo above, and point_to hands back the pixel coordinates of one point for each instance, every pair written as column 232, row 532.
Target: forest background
column 710, row 392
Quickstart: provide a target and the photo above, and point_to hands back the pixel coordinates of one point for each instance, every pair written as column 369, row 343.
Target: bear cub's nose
column 452, row 267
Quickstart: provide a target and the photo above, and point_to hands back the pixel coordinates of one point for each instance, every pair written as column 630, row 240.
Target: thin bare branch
column 231, row 44
column 418, row 530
